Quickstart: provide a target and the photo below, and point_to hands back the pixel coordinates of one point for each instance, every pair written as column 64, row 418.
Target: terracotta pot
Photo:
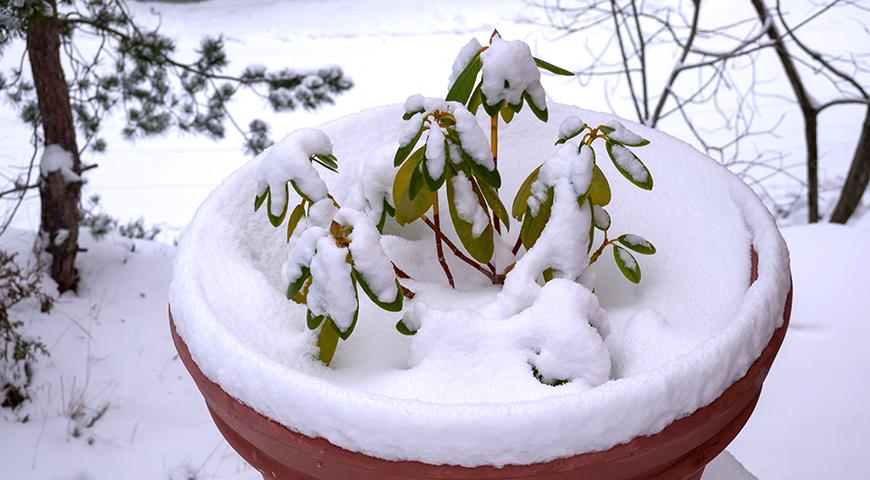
column 679, row 452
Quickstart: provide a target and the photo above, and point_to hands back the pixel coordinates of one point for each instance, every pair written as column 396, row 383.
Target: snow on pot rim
column 674, row 347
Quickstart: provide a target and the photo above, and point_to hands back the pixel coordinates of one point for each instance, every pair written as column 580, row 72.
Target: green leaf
column 417, row 180
column 403, row 328
column 627, row 264
column 533, row 225
column 258, row 200
column 480, row 248
column 314, row 321
column 408, row 210
column 516, row 108
column 562, row 140
column 494, row 202
column 330, row 162
column 276, row 220
column 476, row 98
column 389, row 208
column 542, row 115
column 552, row 68
column 299, row 192
column 637, row 243
column 521, row 199
column 490, row 177
column 600, row 218
column 393, row 305
column 327, row 341
column 548, row 274
column 491, row 110
column 296, row 286
column 507, row 113
column 295, row 216
column 403, row 152
column 464, row 84
column 599, row 189
column 630, row 166
column 591, row 233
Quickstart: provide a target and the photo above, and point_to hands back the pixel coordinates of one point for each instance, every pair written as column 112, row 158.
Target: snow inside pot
column 536, row 353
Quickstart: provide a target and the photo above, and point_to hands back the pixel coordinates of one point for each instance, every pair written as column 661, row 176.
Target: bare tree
column 716, row 71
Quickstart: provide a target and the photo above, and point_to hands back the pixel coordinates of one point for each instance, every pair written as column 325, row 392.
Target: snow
column 381, row 378
column 600, row 217
column 463, row 58
column 332, row 292
column 157, row 426
column 300, row 253
column 467, row 204
column 623, row 135
column 509, row 70
column 473, row 140
column 414, row 104
column 435, row 151
column 628, row 162
column 54, row 159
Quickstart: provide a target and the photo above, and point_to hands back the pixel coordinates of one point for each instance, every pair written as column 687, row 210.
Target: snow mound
column 664, row 348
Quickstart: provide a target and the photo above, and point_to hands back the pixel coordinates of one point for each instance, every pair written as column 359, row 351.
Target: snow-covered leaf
column 637, row 243
column 464, row 84
column 470, row 217
column 403, row 151
column 553, row 68
column 521, row 199
column 570, row 128
column 328, row 161
column 402, row 327
column 630, row 166
column 542, row 114
column 296, row 286
column 490, row 177
column 408, row 210
column 394, row 305
column 313, row 321
column 627, row 264
column 276, row 220
column 491, row 110
column 617, row 133
column 600, row 217
column 533, row 225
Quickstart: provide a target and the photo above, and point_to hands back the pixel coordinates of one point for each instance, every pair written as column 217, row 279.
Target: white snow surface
column 384, row 396
column 55, row 158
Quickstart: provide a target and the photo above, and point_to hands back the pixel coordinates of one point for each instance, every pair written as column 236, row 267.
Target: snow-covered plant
column 534, row 201
column 333, row 249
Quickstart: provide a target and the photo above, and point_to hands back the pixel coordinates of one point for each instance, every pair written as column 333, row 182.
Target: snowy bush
column 17, row 351
column 335, row 248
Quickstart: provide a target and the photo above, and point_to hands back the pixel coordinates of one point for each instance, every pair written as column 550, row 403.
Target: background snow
column 131, row 363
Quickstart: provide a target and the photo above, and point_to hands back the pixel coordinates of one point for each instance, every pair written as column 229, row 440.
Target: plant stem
column 517, row 245
column 456, row 251
column 600, row 249
column 399, row 272
column 438, row 240
column 493, row 142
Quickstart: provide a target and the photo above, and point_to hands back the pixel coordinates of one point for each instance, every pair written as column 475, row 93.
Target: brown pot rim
column 678, row 451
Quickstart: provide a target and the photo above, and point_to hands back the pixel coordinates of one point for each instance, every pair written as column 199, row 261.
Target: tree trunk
column 60, row 198
column 859, row 176
column 808, row 110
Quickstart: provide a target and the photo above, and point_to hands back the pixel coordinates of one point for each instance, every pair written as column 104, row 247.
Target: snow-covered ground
column 110, row 345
